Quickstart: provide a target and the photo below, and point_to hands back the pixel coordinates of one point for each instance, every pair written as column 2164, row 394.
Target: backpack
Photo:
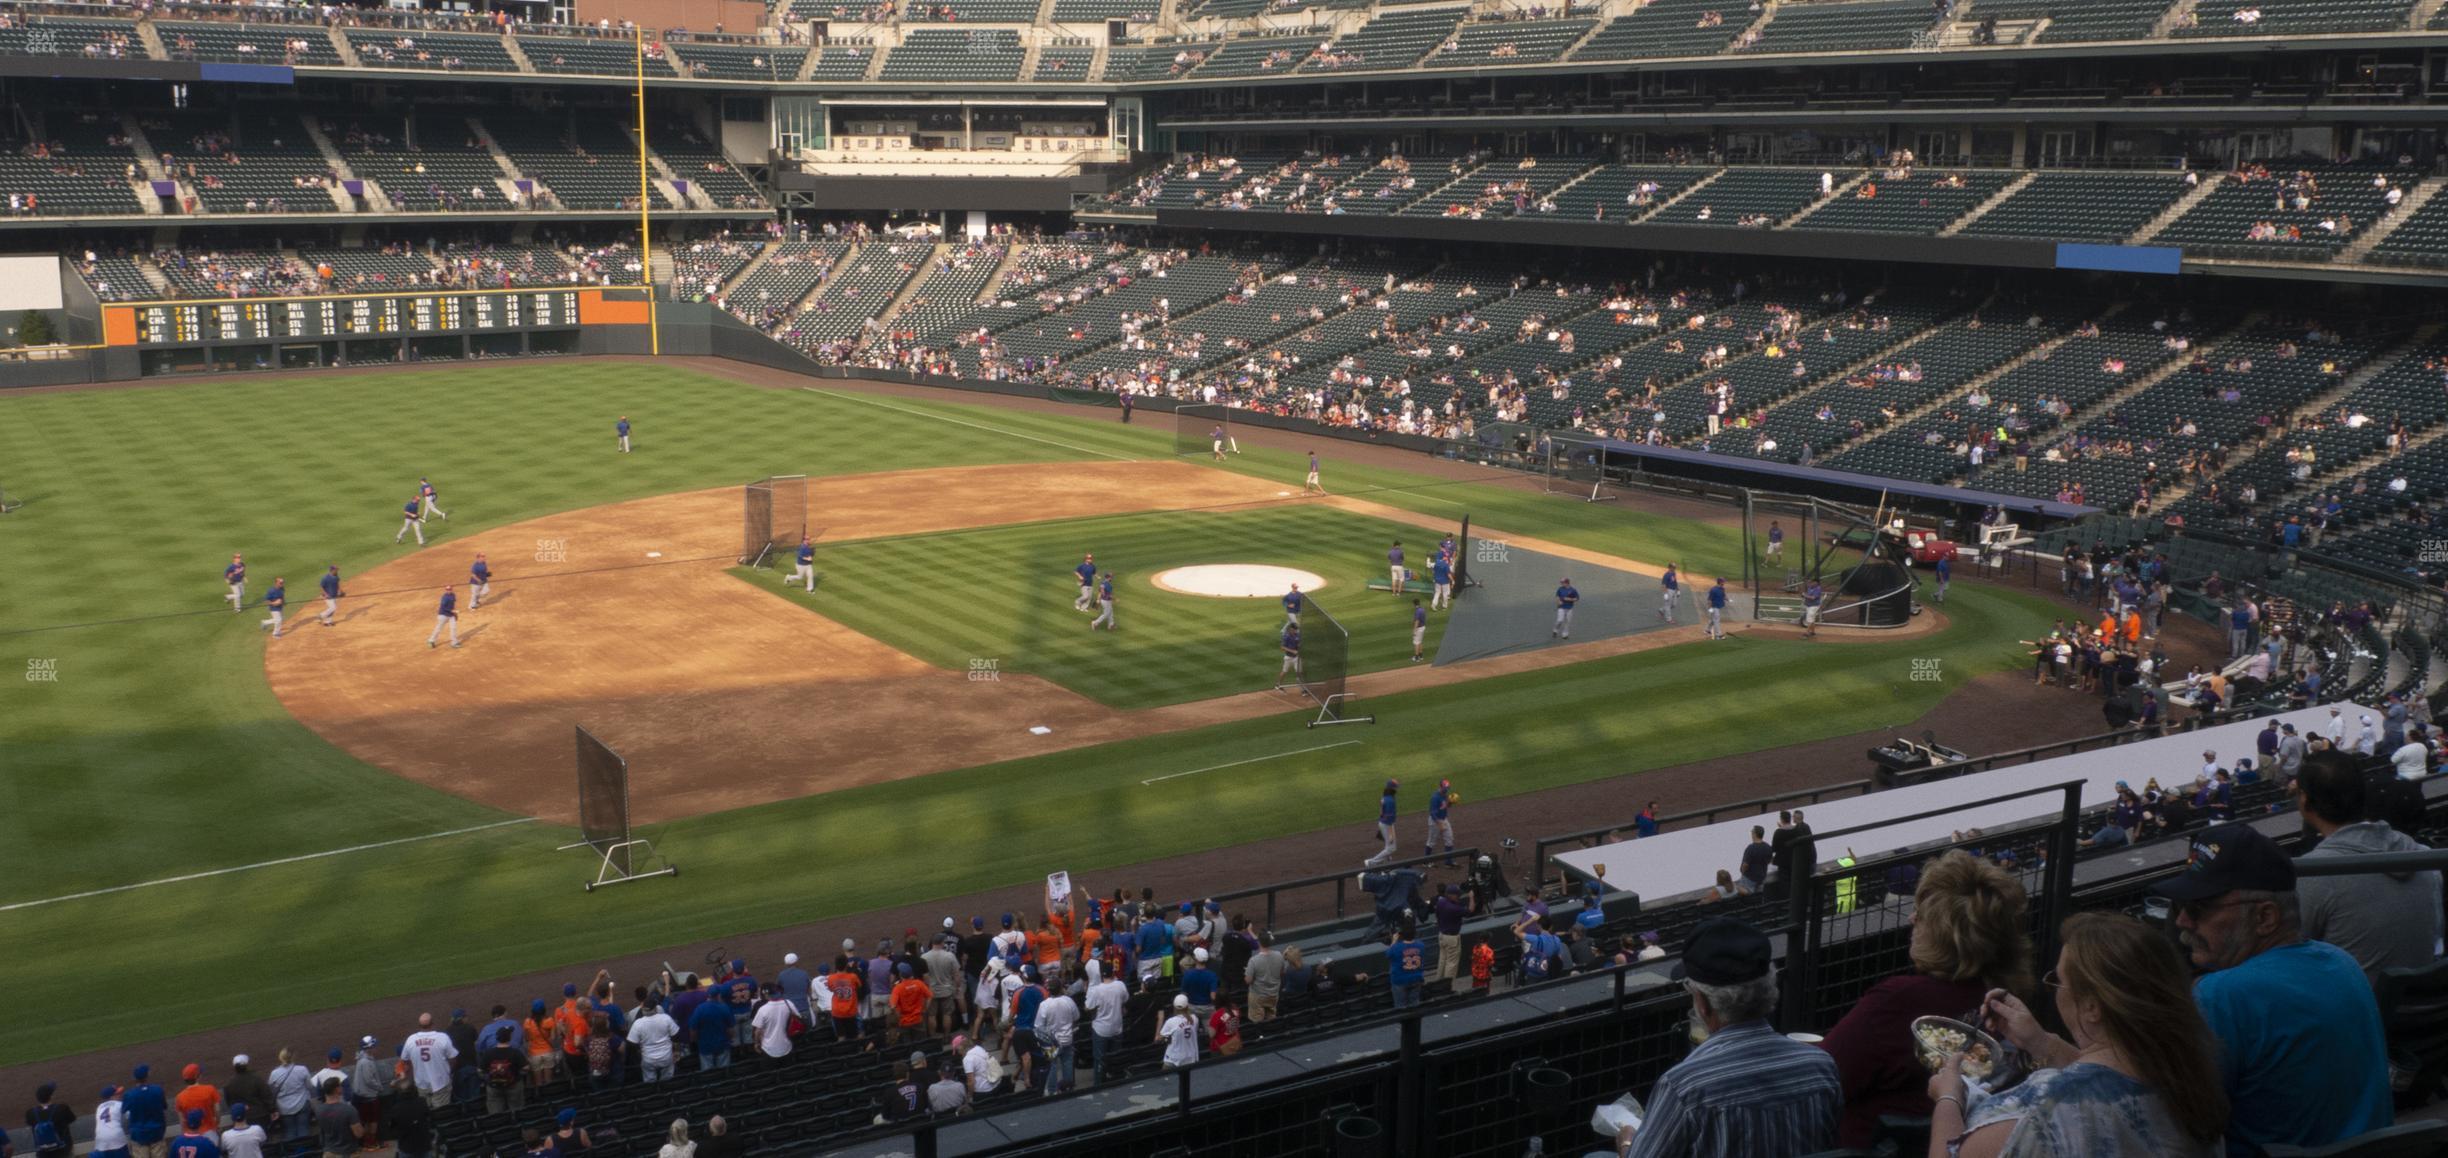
column 47, row 1131
column 502, row 1073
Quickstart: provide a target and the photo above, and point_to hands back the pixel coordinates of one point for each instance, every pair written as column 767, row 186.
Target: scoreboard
column 391, row 315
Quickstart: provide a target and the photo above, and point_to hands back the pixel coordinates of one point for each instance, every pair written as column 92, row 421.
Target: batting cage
column 1200, row 428
column 1325, row 664
column 1577, row 469
column 603, row 818
column 773, row 515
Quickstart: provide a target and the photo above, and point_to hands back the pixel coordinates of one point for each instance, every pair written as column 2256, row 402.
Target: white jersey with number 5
column 429, row 1054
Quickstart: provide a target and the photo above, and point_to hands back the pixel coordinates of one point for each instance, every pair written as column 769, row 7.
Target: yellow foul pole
column 654, row 325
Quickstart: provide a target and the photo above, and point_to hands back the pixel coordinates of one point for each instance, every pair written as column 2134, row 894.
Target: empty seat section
column 445, row 166
column 2295, row 17
column 1500, row 42
column 81, row 167
column 1063, row 64
column 436, row 51
column 2071, row 21
column 956, row 54
column 1925, row 202
column 590, row 165
column 252, row 162
column 1395, row 39
column 972, row 11
column 738, row 62
column 1669, row 28
column 1258, row 56
column 844, row 62
column 250, row 43
column 1840, row 27
column 2074, row 206
column 1764, row 196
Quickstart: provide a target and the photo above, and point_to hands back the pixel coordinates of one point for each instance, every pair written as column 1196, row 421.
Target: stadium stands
column 245, row 163
column 843, row 62
column 1844, row 26
column 701, row 268
column 1757, row 198
column 769, row 292
column 2421, row 239
column 248, row 43
column 592, row 165
column 1668, row 28
column 42, row 35
column 1499, row 42
column 445, row 167
column 1137, row 11
column 117, row 278
column 2079, row 20
column 694, row 160
column 955, row 277
column 1257, row 55
column 388, row 268
column 2294, row 17
column 971, row 11
column 736, row 62
column 1395, row 38
column 869, row 280
column 1923, row 202
column 1066, row 63
column 2303, row 214
column 2080, row 206
column 586, row 55
column 83, row 168
column 944, row 54
column 430, row 51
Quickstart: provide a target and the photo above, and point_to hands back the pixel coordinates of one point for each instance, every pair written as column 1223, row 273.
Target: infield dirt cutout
column 722, row 693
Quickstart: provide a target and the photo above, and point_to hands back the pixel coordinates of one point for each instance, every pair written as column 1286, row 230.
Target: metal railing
column 1752, row 807
column 1341, row 882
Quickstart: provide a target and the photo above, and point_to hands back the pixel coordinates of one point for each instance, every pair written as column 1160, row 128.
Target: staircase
column 148, row 158
column 1843, row 189
column 1767, row 13
column 875, row 60
column 2173, row 18
column 518, row 56
column 909, row 288
column 1029, row 53
column 2379, row 231
column 767, row 250
column 2170, row 368
column 1002, row 270
column 1978, row 211
column 2327, row 473
column 2182, row 206
column 341, row 45
column 151, row 38
column 2423, row 12
column 1441, row 186
column 1802, row 386
column 1688, row 190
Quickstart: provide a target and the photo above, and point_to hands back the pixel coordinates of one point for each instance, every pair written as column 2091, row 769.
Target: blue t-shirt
column 1198, row 983
column 1442, row 569
column 622, row 426
column 276, row 598
column 1155, row 939
column 1776, row 534
column 411, row 508
column 710, row 1024
column 1406, row 962
column 1944, row 568
column 1024, row 1006
column 1438, row 804
column 1292, row 602
column 1717, row 597
column 146, row 1112
column 230, row 574
column 331, row 585
column 2300, row 1043
column 194, row 1146
column 1567, row 595
column 1670, row 582
column 449, row 604
column 2239, row 619
column 1385, row 809
column 1086, row 572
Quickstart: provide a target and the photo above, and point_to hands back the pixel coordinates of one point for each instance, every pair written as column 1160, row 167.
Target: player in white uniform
column 412, row 519
column 425, row 491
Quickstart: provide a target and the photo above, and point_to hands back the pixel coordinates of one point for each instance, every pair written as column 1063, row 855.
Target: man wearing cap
column 110, row 1136
column 771, row 1023
column 332, row 1071
column 1198, row 983
column 1440, row 820
column 245, row 1085
column 370, row 1088
column 1385, row 826
column 1108, row 1002
column 949, row 1093
column 147, row 1110
column 244, row 1138
column 198, row 1139
column 709, row 1029
column 197, row 1094
column 1746, row 1089
column 1057, row 1031
column 2298, row 1032
column 2379, row 919
column 943, row 978
column 429, row 1053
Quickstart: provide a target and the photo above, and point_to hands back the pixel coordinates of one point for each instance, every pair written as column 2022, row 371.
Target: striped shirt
column 1746, row 1091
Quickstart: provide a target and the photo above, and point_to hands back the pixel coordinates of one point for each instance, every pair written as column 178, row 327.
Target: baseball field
column 204, row 826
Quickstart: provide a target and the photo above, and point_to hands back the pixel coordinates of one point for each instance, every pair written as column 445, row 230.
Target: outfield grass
column 1006, row 594
column 159, row 751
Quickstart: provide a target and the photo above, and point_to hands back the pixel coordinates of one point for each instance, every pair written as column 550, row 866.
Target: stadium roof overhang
column 1751, row 472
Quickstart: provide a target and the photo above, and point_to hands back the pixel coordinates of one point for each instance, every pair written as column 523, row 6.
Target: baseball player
column 1567, row 596
column 1812, row 597
column 1445, row 546
column 1441, row 571
column 1087, row 572
column 1292, row 606
column 805, row 566
column 276, row 601
column 1716, row 609
column 1395, row 568
column 413, row 520
column 1385, row 826
column 1291, row 653
column 1776, row 542
column 331, row 594
column 1215, row 437
column 1670, row 592
column 622, row 428
column 235, row 576
column 446, row 615
column 1313, row 484
column 1440, row 819
column 1104, row 617
column 480, row 581
column 1944, row 569
column 1419, row 629
column 425, row 491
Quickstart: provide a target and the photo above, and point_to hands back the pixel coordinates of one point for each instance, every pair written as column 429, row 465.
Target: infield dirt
column 623, row 618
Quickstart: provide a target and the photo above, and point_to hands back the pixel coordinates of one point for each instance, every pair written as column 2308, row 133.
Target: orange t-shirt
column 1062, row 928
column 845, row 993
column 574, row 1027
column 2133, row 629
column 1088, row 940
column 909, row 999
column 201, row 1096
column 539, row 1034
column 1045, row 947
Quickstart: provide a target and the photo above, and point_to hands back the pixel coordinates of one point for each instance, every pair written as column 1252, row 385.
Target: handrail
column 1342, row 882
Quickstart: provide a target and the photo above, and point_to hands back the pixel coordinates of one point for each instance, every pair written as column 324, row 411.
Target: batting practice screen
column 773, row 516
column 1461, row 559
column 1325, row 652
column 603, row 798
column 1195, row 426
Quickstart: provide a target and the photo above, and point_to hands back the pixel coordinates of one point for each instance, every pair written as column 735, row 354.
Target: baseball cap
column 947, row 922
column 1198, row 955
column 238, row 1111
column 1724, row 951
column 195, row 1118
column 1213, row 907
column 902, row 968
column 959, row 1041
column 790, row 958
column 739, row 964
column 333, row 1054
column 977, row 922
column 569, row 989
column 849, row 945
column 536, row 1007
column 1189, row 906
column 110, row 1091
column 456, row 1013
column 1392, row 784
column 240, row 1060
column 2227, row 858
column 1181, row 1001
column 366, row 1042
column 566, row 1116
column 1007, row 920
column 194, row 1071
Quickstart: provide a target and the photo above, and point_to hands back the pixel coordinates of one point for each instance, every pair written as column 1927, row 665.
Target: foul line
column 263, row 864
column 971, row 425
column 1238, row 763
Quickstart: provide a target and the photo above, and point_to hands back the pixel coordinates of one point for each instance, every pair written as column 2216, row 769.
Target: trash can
column 1358, row 1137
column 1546, row 1090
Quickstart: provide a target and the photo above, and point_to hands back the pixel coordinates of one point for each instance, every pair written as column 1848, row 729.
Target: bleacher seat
column 1668, row 28
column 1834, row 26
column 956, row 54
column 64, row 36
column 2421, row 239
column 367, row 269
column 2296, row 17
column 2080, row 20
column 1063, row 64
column 738, row 62
column 971, row 11
column 868, row 281
column 1737, row 194
column 2218, row 224
column 82, row 169
column 587, row 56
column 703, row 165
column 117, row 278
column 1258, row 56
column 246, row 42
column 445, row 166
column 592, row 165
column 843, row 62
column 252, row 163
column 1392, row 39
column 1924, row 202
column 434, row 51
column 1504, row 42
column 949, row 291
column 2080, row 206
column 1137, row 11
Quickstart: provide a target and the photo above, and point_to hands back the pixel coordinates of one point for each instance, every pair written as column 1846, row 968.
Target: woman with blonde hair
column 679, row 1145
column 2139, row 1080
column 1970, row 934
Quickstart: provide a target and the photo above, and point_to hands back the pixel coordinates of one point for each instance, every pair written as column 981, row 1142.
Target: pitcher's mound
column 1236, row 580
